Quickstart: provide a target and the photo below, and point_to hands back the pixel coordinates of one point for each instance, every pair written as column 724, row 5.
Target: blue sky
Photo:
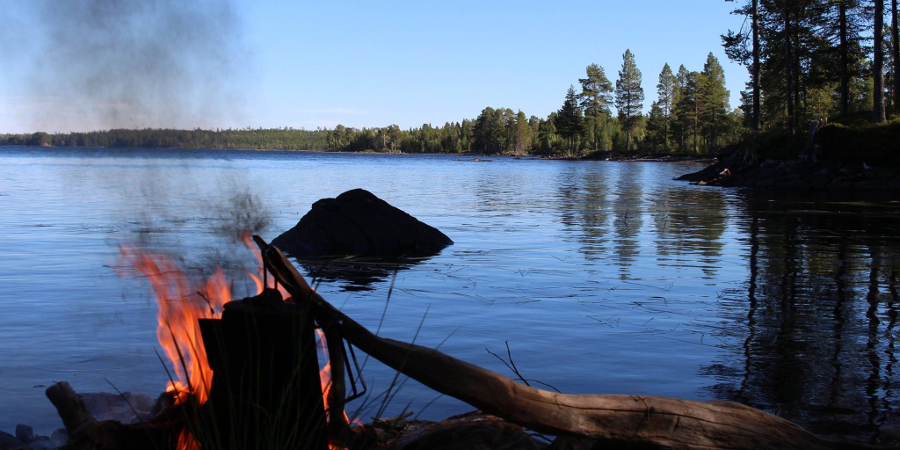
column 310, row 64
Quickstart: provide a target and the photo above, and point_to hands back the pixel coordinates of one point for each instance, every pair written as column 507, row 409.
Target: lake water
column 603, row 277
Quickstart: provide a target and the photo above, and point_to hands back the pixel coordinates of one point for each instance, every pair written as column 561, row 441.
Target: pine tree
column 665, row 91
column 596, row 91
column 736, row 47
column 629, row 95
column 569, row 120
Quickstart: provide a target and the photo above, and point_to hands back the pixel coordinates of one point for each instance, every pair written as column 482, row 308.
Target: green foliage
column 596, row 93
column 665, row 91
column 877, row 144
column 713, row 100
column 569, row 120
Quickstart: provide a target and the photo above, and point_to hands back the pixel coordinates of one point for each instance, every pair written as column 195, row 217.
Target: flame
column 181, row 303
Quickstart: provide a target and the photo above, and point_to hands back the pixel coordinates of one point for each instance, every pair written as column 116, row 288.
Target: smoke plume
column 98, row 64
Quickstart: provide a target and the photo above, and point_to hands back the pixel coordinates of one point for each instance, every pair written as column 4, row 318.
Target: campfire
column 186, row 308
column 246, row 374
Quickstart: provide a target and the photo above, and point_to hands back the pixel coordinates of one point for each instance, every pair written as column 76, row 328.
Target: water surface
column 603, row 277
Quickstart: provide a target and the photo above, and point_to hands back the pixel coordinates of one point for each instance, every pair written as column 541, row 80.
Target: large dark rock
column 360, row 224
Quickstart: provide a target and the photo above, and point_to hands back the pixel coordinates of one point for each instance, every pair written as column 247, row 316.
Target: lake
column 602, row 277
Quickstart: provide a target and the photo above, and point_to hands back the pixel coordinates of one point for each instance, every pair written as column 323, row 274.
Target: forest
column 810, row 61
column 692, row 116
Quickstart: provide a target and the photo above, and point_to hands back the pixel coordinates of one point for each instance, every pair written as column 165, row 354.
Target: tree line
column 812, row 59
column 691, row 116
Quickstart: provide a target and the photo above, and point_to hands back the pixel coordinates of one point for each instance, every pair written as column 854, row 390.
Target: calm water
column 602, row 277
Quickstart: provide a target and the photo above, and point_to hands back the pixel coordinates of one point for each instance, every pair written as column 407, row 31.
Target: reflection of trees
column 594, row 203
column 628, row 209
column 819, row 310
column 585, row 209
column 689, row 222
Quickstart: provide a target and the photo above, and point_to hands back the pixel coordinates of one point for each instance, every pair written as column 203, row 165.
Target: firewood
column 626, row 421
column 87, row 433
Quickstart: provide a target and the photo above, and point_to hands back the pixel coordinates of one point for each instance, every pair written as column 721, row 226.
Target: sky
column 305, row 64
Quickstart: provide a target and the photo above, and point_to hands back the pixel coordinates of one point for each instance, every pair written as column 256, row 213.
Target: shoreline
column 596, row 156
column 737, row 167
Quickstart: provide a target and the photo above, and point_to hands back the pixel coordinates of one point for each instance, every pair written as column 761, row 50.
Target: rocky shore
column 739, row 167
column 614, row 156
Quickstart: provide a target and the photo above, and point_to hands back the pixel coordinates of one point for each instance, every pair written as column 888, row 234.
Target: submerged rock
column 359, row 223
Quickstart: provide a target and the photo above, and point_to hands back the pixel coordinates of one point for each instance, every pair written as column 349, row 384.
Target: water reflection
column 808, row 332
column 818, row 314
column 355, row 274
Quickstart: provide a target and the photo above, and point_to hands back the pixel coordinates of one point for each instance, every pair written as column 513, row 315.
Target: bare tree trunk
column 845, row 59
column 798, row 109
column 788, row 67
column 696, row 119
column 627, row 137
column 666, row 133
column 755, row 119
column 878, row 69
column 895, row 39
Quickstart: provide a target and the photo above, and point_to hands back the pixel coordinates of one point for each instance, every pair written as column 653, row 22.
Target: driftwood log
column 87, row 433
column 614, row 421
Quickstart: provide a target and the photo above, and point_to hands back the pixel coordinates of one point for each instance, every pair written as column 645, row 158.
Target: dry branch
column 618, row 420
column 87, row 433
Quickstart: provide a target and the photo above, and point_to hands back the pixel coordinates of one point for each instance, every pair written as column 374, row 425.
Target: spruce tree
column 665, row 91
column 714, row 101
column 569, row 120
column 629, row 95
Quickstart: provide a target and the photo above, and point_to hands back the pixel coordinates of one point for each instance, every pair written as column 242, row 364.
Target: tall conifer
column 665, row 91
column 629, row 95
column 596, row 91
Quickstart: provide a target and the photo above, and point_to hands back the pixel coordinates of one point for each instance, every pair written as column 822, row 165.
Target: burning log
column 265, row 386
column 613, row 420
column 87, row 433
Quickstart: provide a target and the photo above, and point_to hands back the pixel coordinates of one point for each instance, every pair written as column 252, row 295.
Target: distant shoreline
column 596, row 156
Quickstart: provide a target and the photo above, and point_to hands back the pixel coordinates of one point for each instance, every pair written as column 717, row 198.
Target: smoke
column 98, row 64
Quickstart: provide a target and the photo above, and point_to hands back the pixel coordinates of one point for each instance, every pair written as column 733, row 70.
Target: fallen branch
column 619, row 420
column 87, row 433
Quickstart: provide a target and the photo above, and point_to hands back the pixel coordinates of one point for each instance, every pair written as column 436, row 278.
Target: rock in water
column 360, row 224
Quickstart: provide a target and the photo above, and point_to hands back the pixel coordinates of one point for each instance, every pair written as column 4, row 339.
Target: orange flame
column 181, row 304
